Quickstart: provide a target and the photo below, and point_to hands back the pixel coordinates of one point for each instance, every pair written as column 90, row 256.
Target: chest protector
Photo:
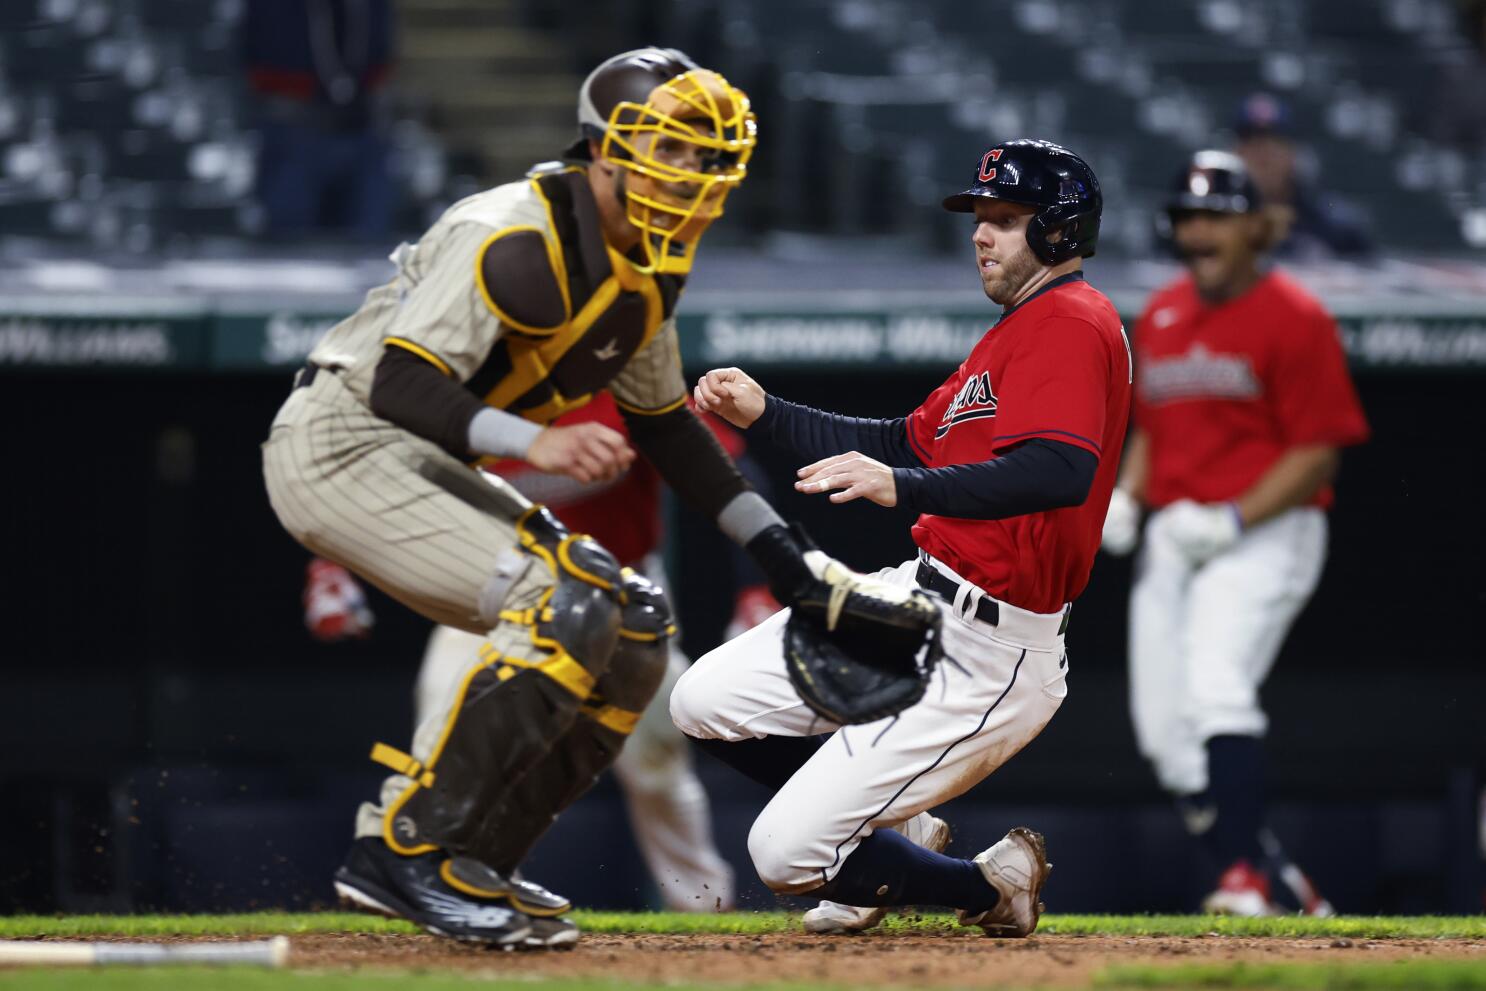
column 575, row 310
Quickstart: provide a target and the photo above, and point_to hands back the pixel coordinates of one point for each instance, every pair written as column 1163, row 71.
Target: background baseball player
column 1243, row 403
column 521, row 303
column 1010, row 464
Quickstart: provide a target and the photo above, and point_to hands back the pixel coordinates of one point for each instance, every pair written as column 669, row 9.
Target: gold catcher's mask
column 682, row 133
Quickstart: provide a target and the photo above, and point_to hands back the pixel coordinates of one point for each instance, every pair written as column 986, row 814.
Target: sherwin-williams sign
column 132, row 338
column 855, row 340
column 104, row 342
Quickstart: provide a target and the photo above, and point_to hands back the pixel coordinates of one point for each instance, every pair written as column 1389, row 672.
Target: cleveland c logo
column 987, row 170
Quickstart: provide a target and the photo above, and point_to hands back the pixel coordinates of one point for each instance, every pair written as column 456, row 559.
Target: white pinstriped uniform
column 352, row 487
column 345, row 482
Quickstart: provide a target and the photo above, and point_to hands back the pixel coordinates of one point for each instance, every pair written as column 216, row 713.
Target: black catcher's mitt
column 857, row 648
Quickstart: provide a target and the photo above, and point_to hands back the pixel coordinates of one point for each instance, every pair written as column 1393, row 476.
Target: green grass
column 1285, row 926
column 238, row 979
column 1353, row 927
column 1414, row 975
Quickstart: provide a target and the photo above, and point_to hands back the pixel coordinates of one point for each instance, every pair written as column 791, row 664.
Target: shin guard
column 593, row 743
column 536, row 673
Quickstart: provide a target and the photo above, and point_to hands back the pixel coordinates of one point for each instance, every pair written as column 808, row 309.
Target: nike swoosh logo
column 610, row 350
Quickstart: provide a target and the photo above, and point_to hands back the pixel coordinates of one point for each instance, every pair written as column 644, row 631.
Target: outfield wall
column 891, row 331
column 174, row 738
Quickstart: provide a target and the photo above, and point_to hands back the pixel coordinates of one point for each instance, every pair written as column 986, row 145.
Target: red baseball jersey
column 1222, row 390
column 1056, row 367
column 624, row 516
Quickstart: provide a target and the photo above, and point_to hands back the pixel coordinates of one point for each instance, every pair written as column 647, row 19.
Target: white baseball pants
column 993, row 692
column 1203, row 639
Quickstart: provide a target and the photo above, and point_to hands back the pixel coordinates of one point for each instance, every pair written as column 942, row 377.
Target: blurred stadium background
column 192, row 190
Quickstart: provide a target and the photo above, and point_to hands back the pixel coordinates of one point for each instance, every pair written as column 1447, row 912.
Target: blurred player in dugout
column 1242, row 405
column 667, row 805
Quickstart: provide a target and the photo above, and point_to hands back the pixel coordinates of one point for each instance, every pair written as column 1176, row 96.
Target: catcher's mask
column 649, row 110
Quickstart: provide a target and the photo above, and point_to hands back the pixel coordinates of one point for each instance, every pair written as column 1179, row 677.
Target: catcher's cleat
column 1017, row 868
column 551, row 934
column 374, row 879
column 470, row 877
column 1242, row 891
column 834, row 918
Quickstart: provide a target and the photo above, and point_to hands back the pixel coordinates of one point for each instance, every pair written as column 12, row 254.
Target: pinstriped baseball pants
column 346, row 484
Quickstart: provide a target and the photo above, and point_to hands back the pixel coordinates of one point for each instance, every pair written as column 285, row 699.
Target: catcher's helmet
column 632, row 102
column 1213, row 181
column 1053, row 179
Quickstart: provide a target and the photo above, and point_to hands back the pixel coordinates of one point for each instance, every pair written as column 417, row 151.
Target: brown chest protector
column 576, row 311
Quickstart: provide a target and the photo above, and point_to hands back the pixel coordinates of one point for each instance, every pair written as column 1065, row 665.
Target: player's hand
column 585, row 452
column 855, row 475
column 1201, row 531
column 1121, row 524
column 732, row 395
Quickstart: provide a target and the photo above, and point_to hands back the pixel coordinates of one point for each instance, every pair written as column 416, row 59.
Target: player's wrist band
column 498, row 434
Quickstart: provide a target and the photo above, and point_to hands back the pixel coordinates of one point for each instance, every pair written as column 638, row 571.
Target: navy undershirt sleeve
column 816, row 434
column 1034, row 477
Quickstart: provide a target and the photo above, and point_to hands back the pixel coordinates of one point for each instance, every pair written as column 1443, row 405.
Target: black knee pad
column 579, row 614
column 639, row 662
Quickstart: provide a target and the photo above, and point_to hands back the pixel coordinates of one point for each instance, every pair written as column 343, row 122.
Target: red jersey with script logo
column 1055, row 367
column 623, row 515
column 1221, row 391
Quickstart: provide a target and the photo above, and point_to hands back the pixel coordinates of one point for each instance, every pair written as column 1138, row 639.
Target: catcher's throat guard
column 858, row 649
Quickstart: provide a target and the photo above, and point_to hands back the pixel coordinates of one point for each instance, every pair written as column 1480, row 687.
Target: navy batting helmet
column 1213, row 181
column 1053, row 179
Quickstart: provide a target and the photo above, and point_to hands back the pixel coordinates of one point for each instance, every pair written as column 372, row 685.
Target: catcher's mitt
column 858, row 649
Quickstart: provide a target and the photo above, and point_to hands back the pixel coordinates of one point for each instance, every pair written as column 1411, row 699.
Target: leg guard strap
column 561, row 667
column 612, row 718
column 402, row 763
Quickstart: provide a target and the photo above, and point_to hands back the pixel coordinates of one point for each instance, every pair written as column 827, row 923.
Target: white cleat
column 1242, row 891
column 834, row 918
column 1017, row 868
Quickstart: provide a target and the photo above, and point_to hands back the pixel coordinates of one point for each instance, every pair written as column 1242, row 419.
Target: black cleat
column 470, row 876
column 552, row 934
column 375, row 879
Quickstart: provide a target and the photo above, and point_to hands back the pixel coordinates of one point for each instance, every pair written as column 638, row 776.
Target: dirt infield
column 952, row 959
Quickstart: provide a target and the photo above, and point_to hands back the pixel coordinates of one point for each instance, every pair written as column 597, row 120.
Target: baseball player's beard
column 1006, row 281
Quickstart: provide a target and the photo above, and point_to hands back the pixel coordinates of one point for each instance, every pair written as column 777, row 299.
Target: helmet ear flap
column 1078, row 230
